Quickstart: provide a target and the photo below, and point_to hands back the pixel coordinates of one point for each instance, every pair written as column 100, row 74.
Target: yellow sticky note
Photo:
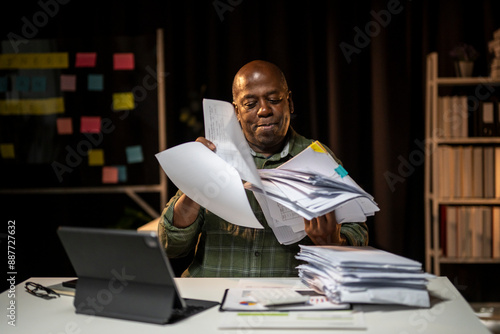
column 96, row 157
column 317, row 147
column 46, row 106
column 123, row 101
column 34, row 60
column 7, row 151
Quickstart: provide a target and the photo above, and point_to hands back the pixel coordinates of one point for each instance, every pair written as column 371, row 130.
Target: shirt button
column 257, row 254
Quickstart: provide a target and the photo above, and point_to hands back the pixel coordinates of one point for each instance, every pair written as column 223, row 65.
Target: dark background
column 367, row 106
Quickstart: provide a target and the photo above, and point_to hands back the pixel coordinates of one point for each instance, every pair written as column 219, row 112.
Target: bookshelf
column 462, row 194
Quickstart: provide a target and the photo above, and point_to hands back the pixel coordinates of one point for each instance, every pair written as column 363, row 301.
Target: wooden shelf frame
column 433, row 252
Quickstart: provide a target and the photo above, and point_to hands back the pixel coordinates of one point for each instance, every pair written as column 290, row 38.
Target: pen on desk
column 277, row 306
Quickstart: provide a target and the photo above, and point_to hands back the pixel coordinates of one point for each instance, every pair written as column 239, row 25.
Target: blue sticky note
column 38, row 84
column 122, row 173
column 95, row 82
column 134, row 154
column 22, row 83
column 341, row 171
column 3, row 84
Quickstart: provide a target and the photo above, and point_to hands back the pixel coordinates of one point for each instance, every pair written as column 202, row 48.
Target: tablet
column 125, row 274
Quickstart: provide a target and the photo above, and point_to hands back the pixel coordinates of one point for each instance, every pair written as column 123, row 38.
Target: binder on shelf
column 486, row 120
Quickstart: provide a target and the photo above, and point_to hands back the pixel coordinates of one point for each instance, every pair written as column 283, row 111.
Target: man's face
column 263, row 109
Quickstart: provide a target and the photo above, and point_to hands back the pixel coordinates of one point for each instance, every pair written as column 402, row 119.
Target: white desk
column 450, row 313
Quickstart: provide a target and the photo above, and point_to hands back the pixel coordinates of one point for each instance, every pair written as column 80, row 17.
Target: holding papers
column 309, row 185
column 313, row 184
column 364, row 275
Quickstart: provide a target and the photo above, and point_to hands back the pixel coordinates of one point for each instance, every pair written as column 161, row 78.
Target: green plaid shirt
column 227, row 250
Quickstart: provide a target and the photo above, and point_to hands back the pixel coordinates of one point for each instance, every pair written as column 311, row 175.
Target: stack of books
column 348, row 274
column 494, row 49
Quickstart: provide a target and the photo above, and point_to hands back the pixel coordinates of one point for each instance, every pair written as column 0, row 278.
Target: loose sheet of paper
column 215, row 185
column 222, row 128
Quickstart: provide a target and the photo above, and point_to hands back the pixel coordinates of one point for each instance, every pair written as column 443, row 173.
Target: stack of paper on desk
column 347, row 274
column 309, row 185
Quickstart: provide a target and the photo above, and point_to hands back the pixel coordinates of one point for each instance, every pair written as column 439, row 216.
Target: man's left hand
column 324, row 230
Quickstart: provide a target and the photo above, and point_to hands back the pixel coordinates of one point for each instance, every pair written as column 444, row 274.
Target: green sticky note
column 95, row 82
column 134, row 154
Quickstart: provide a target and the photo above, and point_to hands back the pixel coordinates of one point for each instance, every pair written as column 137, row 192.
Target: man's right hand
column 185, row 209
column 206, row 142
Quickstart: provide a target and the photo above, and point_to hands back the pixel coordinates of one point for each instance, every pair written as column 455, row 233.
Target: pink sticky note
column 90, row 124
column 68, row 82
column 123, row 61
column 85, row 59
column 109, row 174
column 64, row 126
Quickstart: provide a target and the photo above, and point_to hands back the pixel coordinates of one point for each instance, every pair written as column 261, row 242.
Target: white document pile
column 313, row 184
column 348, row 274
column 309, row 185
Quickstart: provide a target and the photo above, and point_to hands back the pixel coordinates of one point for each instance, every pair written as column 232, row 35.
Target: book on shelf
column 477, row 233
column 477, row 172
column 489, row 172
column 469, row 231
column 456, row 119
column 487, row 220
column 453, row 116
column 497, row 172
column 464, row 232
column 458, row 172
column 451, row 231
column 468, row 171
column 495, row 233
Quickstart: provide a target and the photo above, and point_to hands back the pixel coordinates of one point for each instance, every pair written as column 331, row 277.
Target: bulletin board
column 80, row 113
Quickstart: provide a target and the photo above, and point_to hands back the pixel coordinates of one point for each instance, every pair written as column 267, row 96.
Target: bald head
column 263, row 104
column 255, row 69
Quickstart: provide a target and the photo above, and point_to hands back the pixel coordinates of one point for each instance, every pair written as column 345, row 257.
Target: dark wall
column 366, row 102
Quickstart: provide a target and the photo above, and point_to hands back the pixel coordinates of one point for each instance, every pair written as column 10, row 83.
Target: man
column 263, row 105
